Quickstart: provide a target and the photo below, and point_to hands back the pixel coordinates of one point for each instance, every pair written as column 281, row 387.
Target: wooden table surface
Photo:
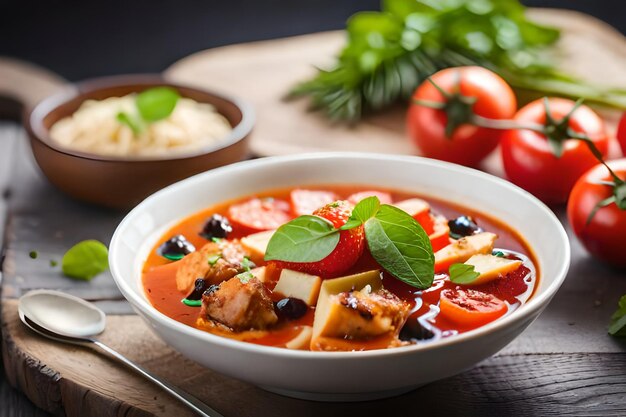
column 563, row 364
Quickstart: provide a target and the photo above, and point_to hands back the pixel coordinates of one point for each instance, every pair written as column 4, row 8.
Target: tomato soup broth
column 159, row 274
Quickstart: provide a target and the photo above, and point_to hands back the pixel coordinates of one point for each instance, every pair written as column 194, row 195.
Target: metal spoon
column 68, row 319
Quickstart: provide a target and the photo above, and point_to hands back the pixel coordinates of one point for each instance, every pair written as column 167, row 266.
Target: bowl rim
column 534, row 305
column 33, row 119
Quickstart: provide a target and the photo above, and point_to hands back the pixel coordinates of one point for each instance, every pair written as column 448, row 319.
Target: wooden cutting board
column 547, row 360
column 263, row 72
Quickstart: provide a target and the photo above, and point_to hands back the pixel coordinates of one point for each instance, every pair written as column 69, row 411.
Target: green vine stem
column 459, row 110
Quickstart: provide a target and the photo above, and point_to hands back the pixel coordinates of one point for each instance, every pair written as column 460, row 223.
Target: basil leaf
column 401, row 246
column 85, row 260
column 362, row 212
column 134, row 123
column 618, row 319
column 304, row 239
column 462, row 273
column 156, row 103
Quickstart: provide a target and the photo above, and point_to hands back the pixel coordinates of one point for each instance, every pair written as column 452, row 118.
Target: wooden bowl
column 122, row 182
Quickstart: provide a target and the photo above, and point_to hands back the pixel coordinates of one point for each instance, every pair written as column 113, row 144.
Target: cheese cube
column 256, row 244
column 299, row 285
column 491, row 267
column 324, row 309
column 461, row 250
column 302, row 341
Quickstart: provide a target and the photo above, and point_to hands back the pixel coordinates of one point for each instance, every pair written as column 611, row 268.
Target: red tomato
column 621, row 134
column 469, row 144
column 385, row 198
column 256, row 215
column 605, row 236
column 529, row 161
column 470, row 307
column 307, row 201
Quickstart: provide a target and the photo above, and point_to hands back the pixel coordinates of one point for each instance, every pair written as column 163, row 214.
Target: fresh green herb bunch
column 389, row 53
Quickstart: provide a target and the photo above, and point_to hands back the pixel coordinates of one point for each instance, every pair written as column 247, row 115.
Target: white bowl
column 341, row 376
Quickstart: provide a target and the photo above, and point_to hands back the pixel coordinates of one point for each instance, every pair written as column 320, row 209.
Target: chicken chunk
column 215, row 262
column 364, row 315
column 240, row 305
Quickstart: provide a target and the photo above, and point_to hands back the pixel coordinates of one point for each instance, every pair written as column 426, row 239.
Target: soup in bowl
column 361, row 275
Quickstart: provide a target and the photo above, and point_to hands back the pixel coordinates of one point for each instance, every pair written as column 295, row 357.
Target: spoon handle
column 192, row 402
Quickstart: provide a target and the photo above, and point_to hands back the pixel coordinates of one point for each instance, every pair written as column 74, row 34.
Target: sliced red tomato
column 385, row 198
column 468, row 145
column 418, row 209
column 529, row 160
column 440, row 232
column 307, row 201
column 470, row 307
column 257, row 214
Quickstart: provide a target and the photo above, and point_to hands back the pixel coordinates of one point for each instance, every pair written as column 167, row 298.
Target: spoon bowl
column 69, row 319
column 62, row 313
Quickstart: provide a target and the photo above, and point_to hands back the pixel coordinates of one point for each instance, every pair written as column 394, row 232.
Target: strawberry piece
column 385, row 198
column 256, row 215
column 307, row 201
column 348, row 250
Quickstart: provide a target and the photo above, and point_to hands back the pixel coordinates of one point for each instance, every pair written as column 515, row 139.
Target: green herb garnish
column 462, row 273
column 395, row 239
column 85, row 260
column 304, row 239
column 216, row 239
column 245, row 276
column 401, row 246
column 33, row 254
column 53, row 263
column 618, row 319
column 247, row 264
column 152, row 105
column 213, row 259
column 192, row 303
column 389, row 53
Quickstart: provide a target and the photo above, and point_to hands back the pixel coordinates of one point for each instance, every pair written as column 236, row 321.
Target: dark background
column 85, row 38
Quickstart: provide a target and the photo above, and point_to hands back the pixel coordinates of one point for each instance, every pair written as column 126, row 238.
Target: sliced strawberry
column 307, row 201
column 385, row 198
column 348, row 250
column 257, row 214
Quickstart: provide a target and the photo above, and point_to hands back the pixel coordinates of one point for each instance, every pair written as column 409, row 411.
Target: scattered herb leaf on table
column 85, row 260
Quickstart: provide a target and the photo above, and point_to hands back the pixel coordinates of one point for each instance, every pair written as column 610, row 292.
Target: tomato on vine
column 621, row 133
column 441, row 119
column 548, row 161
column 596, row 210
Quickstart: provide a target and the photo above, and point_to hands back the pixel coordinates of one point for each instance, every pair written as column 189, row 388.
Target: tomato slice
column 385, row 198
column 256, row 215
column 439, row 234
column 307, row 201
column 470, row 307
